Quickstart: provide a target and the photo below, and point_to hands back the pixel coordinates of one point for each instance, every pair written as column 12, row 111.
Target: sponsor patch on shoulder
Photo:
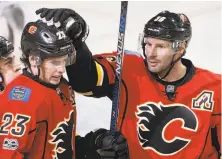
column 129, row 52
column 20, row 93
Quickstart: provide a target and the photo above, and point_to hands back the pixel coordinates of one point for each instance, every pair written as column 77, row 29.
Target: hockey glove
column 74, row 25
column 103, row 144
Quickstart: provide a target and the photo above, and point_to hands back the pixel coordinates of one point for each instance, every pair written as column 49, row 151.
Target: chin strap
column 170, row 68
column 175, row 46
column 172, row 63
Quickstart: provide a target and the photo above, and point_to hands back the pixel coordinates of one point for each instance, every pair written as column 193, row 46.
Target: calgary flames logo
column 61, row 136
column 32, row 29
column 154, row 118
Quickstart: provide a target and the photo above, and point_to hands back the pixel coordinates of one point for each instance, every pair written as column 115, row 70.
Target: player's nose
column 62, row 69
column 151, row 52
column 17, row 67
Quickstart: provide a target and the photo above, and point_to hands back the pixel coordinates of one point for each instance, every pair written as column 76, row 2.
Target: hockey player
column 38, row 113
column 169, row 108
column 8, row 68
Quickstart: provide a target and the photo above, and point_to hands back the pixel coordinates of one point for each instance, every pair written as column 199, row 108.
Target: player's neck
column 177, row 72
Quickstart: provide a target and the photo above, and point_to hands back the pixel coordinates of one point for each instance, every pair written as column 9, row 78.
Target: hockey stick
column 119, row 66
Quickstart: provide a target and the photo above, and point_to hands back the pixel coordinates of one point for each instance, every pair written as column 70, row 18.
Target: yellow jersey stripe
column 86, row 93
column 100, row 74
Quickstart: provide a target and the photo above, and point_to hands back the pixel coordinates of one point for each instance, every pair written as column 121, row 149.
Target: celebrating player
column 38, row 113
column 168, row 107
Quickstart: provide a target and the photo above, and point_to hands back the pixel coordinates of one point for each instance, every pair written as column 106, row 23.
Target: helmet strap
column 172, row 63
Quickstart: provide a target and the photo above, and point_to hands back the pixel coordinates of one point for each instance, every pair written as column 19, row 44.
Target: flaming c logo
column 32, row 29
column 154, row 118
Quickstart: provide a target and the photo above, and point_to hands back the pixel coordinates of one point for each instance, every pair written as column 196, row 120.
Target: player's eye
column 148, row 44
column 56, row 62
column 161, row 46
column 8, row 62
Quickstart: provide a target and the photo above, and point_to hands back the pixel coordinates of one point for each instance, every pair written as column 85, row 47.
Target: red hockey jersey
column 36, row 122
column 156, row 127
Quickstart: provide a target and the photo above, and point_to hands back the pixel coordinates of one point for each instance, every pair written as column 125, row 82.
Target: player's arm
column 216, row 122
column 216, row 131
column 91, row 76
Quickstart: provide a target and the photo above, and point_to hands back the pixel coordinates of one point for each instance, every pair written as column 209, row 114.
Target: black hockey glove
column 103, row 144
column 74, row 25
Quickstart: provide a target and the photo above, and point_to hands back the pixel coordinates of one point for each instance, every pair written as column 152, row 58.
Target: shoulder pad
column 129, row 52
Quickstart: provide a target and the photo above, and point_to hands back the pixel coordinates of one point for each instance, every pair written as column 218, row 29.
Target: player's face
column 9, row 69
column 52, row 69
column 159, row 54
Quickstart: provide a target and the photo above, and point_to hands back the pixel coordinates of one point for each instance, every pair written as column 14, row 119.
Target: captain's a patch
column 204, row 101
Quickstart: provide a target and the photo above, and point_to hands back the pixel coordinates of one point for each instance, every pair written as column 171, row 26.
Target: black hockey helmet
column 44, row 41
column 6, row 47
column 169, row 26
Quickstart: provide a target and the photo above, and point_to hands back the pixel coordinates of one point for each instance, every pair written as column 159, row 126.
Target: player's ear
column 32, row 61
column 182, row 47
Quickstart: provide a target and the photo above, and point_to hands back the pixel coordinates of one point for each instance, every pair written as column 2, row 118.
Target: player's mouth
column 56, row 77
column 153, row 63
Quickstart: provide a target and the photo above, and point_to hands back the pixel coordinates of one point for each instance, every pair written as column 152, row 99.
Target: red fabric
column 178, row 130
column 47, row 113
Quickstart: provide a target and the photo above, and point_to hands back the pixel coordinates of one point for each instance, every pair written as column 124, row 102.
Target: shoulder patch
column 111, row 58
column 129, row 52
column 20, row 93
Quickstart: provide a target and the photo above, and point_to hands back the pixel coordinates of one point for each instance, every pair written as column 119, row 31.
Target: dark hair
column 25, row 60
